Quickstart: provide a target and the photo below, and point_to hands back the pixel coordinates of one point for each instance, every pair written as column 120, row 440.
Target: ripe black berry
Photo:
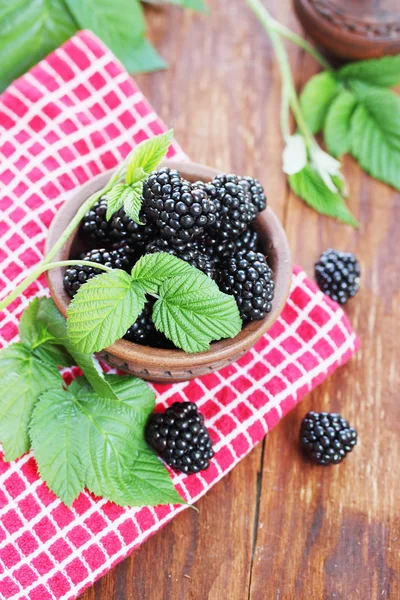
column 94, row 223
column 235, row 210
column 338, row 275
column 143, row 330
column 124, row 229
column 219, row 250
column 326, row 438
column 256, row 191
column 180, row 437
column 180, row 211
column 74, row 277
column 192, row 253
column 247, row 276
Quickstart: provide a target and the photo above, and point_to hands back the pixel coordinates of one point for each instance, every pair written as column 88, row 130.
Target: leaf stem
column 288, row 87
column 302, row 43
column 41, row 268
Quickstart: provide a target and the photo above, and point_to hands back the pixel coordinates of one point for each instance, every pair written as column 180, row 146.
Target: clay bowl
column 175, row 365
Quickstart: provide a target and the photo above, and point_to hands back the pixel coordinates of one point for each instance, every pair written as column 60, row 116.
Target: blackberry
column 94, row 223
column 220, row 250
column 143, row 330
column 235, row 210
column 180, row 437
column 180, row 211
column 326, row 438
column 193, row 253
column 338, row 275
column 74, row 277
column 124, row 229
column 247, row 277
column 256, row 191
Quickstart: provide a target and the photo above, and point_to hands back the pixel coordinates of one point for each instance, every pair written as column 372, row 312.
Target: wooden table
column 276, row 527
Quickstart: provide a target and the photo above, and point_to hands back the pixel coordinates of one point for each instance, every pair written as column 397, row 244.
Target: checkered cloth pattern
column 72, row 116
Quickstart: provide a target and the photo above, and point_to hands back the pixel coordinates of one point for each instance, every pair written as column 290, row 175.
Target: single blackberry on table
column 235, row 210
column 338, row 275
column 74, row 277
column 180, row 211
column 180, row 437
column 326, row 438
column 255, row 189
column 247, row 276
column 124, row 229
column 94, row 223
column 193, row 253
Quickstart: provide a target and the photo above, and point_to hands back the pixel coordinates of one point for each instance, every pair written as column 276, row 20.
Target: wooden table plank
column 295, row 531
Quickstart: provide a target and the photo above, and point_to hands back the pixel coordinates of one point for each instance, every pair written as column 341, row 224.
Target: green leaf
column 57, row 433
column 383, row 72
column 126, row 196
column 151, row 152
column 35, row 334
column 375, row 135
column 337, row 124
column 193, row 4
column 56, row 324
column 103, row 310
column 133, row 175
column 29, row 31
column 192, row 311
column 23, row 377
column 152, row 270
column 81, row 440
column 309, row 186
column 316, row 98
column 121, row 26
column 135, row 393
column 115, row 199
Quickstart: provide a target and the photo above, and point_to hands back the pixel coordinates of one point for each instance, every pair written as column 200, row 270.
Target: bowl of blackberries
column 221, row 224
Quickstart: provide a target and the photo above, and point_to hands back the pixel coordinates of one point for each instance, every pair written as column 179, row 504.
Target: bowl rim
column 147, row 357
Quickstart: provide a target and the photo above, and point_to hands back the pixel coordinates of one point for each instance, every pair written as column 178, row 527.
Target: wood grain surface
column 277, row 528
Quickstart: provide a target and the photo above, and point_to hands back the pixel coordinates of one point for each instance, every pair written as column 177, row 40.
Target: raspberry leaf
column 375, row 134
column 193, row 4
column 80, row 440
column 152, row 270
column 121, row 26
column 192, row 311
column 151, row 152
column 381, row 72
column 128, row 197
column 316, row 98
column 103, row 310
column 23, row 377
column 308, row 185
column 337, row 124
column 50, row 316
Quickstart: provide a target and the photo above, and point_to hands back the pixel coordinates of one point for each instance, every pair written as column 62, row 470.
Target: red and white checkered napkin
column 72, row 116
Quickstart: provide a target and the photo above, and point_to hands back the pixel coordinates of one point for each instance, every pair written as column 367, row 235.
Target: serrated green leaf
column 151, row 152
column 152, row 270
column 54, row 321
column 192, row 311
column 133, row 201
column 134, row 174
column 115, row 199
column 121, row 26
column 375, row 136
column 30, row 31
column 383, row 72
column 57, row 433
column 309, row 186
column 337, row 124
column 316, row 98
column 103, row 310
column 36, row 336
column 81, row 440
column 23, row 377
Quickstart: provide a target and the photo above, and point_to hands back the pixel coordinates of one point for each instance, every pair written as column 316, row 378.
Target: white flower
column 294, row 154
column 326, row 166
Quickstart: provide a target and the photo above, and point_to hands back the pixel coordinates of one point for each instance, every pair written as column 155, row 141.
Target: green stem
column 44, row 265
column 301, row 42
column 289, row 90
column 41, row 268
